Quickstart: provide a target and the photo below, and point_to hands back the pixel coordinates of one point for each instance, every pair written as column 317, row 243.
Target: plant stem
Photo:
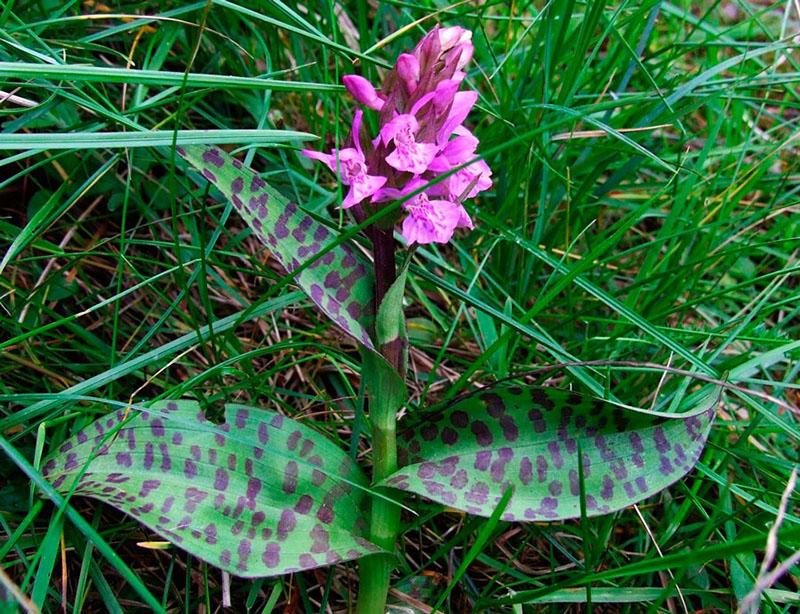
column 385, row 397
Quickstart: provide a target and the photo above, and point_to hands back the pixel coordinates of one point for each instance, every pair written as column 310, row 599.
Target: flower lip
column 408, row 155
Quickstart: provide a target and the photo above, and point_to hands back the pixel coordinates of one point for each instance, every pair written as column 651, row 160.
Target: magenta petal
column 317, row 155
column 445, row 94
column 462, row 105
column 363, row 187
column 460, row 149
column 440, row 164
column 357, row 131
column 363, row 91
column 418, row 230
column 464, row 221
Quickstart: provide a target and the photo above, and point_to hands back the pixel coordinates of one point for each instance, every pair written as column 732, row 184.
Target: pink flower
column 432, row 221
column 408, row 155
column 351, row 167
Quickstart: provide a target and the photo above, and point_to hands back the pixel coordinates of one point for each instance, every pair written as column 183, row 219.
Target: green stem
column 375, row 571
column 386, row 394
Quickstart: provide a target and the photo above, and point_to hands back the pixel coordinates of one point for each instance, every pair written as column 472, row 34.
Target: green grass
column 675, row 244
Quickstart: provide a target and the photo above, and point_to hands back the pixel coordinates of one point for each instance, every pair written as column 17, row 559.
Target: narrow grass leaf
column 154, row 138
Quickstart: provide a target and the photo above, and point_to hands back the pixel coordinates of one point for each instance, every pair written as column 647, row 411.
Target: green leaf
column 340, row 282
column 151, row 138
column 528, row 438
column 259, row 495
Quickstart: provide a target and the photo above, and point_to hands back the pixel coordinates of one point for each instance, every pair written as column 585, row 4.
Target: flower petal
column 362, row 186
column 462, row 105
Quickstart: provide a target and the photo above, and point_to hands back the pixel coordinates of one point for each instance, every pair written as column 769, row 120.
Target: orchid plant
column 262, row 494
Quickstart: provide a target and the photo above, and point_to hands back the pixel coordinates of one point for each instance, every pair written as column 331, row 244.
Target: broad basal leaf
column 529, row 438
column 259, row 495
column 340, row 282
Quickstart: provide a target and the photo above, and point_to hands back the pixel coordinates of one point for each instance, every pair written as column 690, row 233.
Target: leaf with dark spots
column 529, row 439
column 259, row 495
column 340, row 282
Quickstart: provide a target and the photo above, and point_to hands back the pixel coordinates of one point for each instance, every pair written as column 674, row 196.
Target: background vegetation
column 644, row 209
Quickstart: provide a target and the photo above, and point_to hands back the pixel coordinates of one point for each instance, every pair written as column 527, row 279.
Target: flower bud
column 450, row 37
column 408, row 70
column 461, row 54
column 363, row 91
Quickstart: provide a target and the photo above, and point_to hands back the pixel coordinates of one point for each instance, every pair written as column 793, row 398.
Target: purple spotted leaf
column 340, row 281
column 259, row 495
column 528, row 438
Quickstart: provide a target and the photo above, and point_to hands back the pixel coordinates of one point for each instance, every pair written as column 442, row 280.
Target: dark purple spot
column 555, row 454
column 272, row 555
column 189, row 469
column 212, row 156
column 426, row 470
column 525, row 471
column 459, row 418
column 290, row 478
column 221, row 479
column 303, row 505
column 607, row 493
column 482, row 434
column 482, row 460
column 286, row 524
column 449, row 436
column 541, row 468
column 211, row 533
column 510, row 431
column 307, row 561
column 460, row 479
column 662, row 445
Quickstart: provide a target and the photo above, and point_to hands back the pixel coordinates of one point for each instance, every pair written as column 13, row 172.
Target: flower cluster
column 422, row 136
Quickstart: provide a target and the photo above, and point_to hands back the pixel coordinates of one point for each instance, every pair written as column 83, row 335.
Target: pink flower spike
column 363, row 91
column 431, row 221
column 408, row 155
